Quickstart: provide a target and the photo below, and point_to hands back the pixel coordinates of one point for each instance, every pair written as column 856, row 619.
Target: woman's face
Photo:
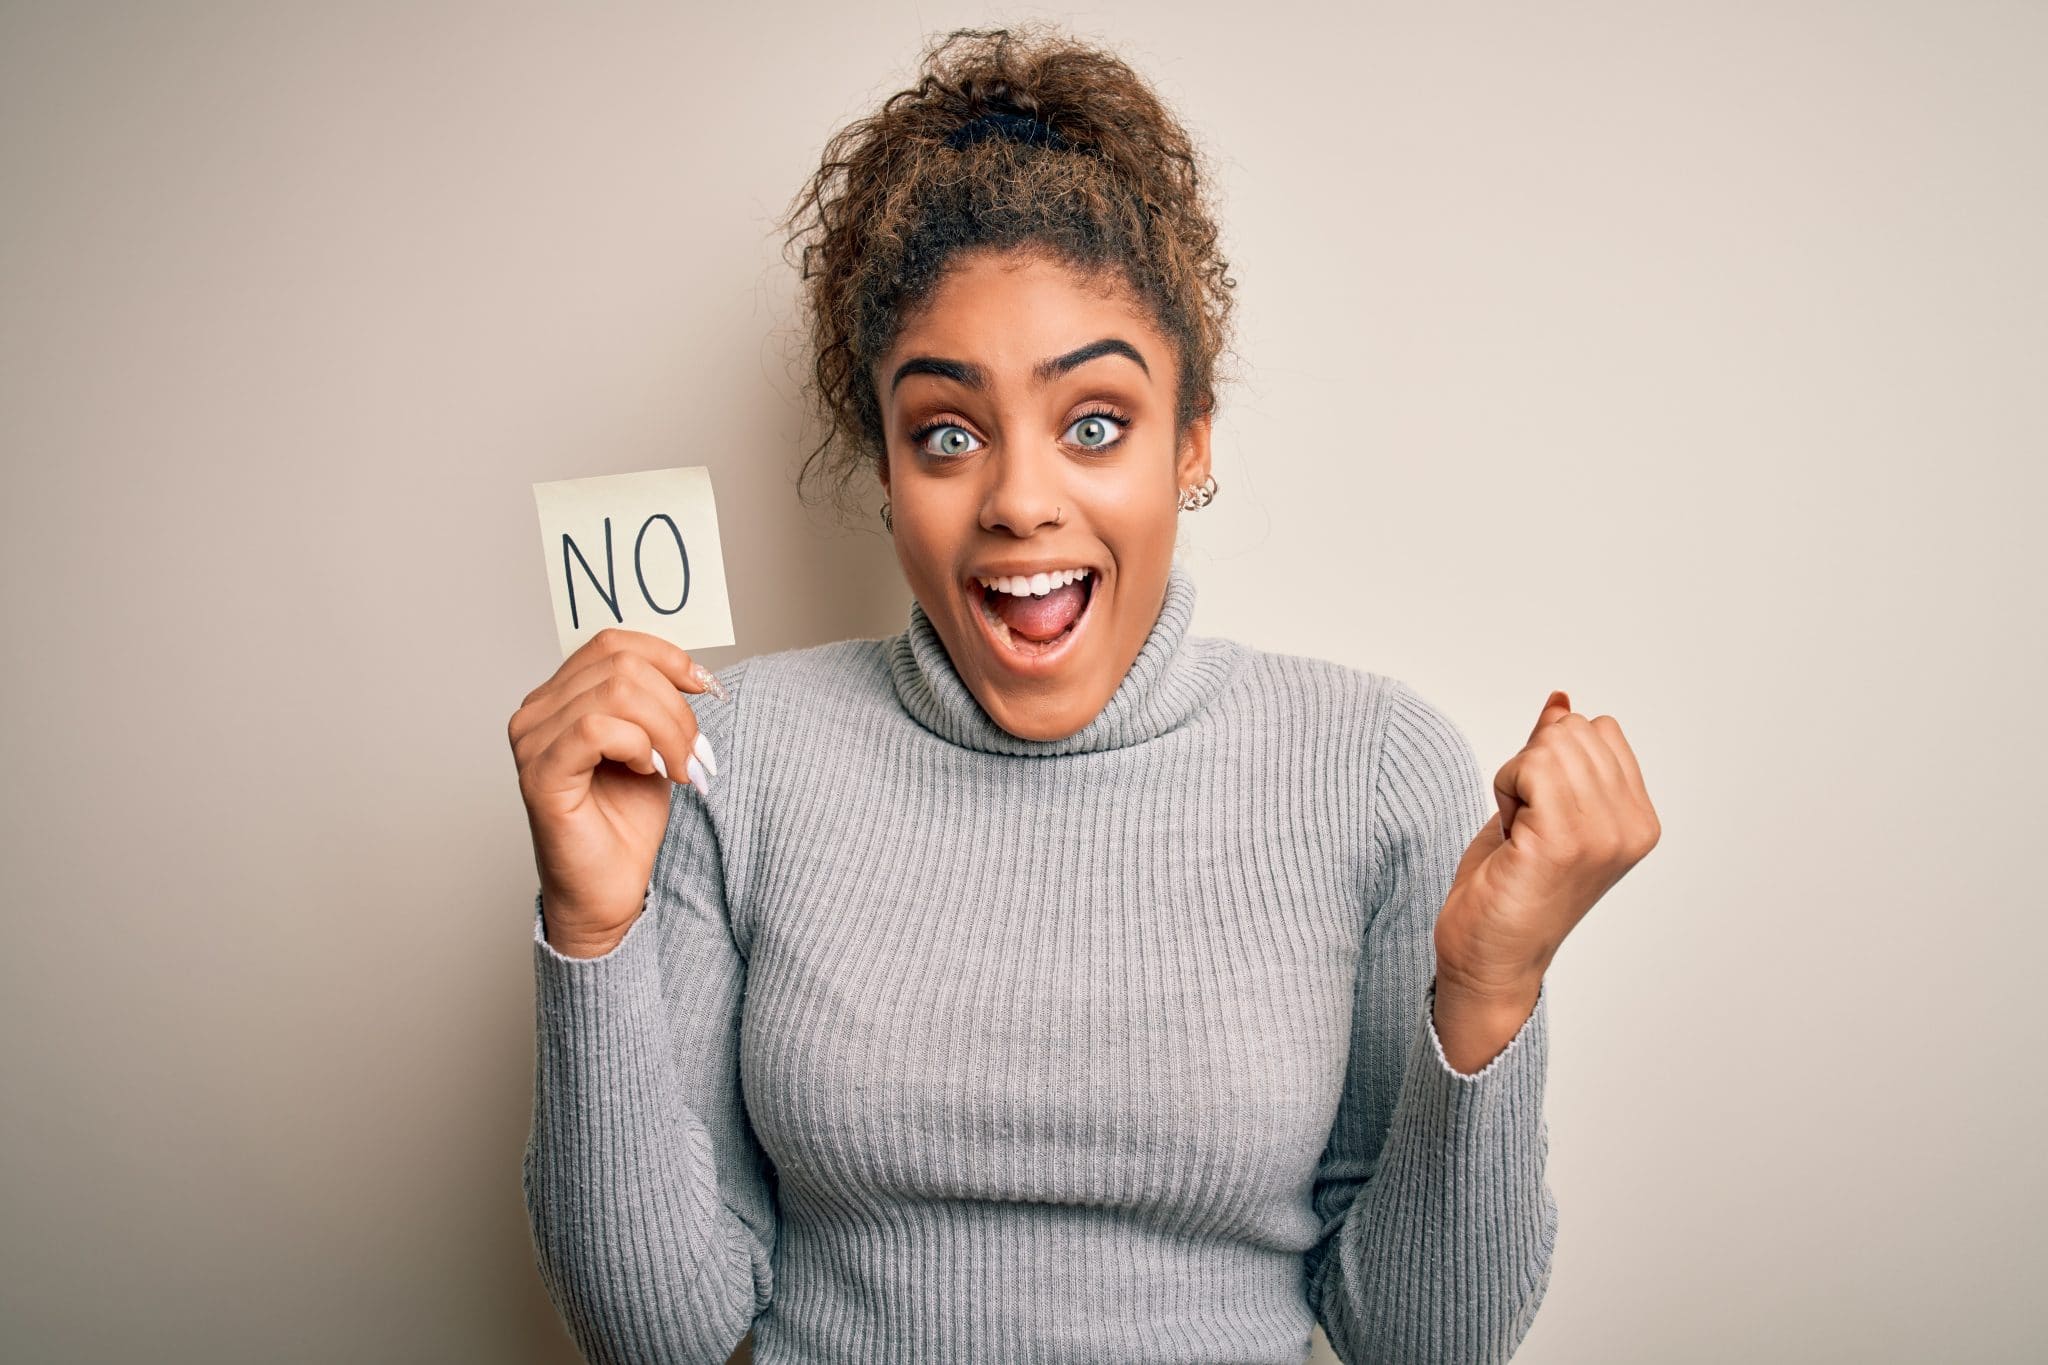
column 1029, row 416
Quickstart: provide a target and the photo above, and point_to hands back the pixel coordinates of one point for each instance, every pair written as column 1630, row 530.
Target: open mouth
column 1015, row 626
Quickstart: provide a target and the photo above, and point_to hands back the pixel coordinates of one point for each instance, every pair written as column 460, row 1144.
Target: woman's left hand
column 1574, row 818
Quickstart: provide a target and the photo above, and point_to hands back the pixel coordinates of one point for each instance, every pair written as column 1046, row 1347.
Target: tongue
column 1041, row 618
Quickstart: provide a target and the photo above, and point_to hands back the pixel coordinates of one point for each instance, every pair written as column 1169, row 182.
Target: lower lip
column 1043, row 662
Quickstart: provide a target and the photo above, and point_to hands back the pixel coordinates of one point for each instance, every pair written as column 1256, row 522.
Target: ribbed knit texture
column 937, row 1044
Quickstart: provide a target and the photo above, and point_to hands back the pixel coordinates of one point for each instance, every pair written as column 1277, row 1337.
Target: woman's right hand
column 597, row 826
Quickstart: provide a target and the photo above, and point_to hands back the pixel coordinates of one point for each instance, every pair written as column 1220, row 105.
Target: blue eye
column 952, row 440
column 1096, row 431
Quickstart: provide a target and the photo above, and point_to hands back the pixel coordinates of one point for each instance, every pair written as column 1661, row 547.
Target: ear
column 1193, row 466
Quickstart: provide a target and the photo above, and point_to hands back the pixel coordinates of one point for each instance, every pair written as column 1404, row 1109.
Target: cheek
column 1141, row 489
column 927, row 539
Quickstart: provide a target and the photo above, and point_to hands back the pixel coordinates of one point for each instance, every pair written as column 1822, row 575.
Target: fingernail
column 660, row 766
column 703, row 748
column 709, row 682
column 702, row 783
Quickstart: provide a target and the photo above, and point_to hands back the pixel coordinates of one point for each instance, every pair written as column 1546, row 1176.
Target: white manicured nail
column 704, row 754
column 697, row 776
column 660, row 766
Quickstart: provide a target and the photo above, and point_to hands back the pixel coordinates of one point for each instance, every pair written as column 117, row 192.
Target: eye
column 946, row 438
column 1096, row 430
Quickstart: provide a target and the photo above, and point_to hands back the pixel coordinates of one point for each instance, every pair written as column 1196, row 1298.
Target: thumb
column 1483, row 846
column 1489, row 838
column 1555, row 707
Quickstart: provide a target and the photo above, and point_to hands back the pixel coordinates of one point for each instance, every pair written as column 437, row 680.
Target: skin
column 1024, row 488
column 598, row 825
column 1574, row 818
column 995, row 473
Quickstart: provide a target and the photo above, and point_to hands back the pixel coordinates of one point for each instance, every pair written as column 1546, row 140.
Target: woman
column 1043, row 982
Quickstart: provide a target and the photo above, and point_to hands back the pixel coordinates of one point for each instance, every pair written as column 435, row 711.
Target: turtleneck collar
column 1173, row 677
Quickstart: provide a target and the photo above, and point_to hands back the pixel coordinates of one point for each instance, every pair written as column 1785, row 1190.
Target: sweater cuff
column 556, row 957
column 585, row 997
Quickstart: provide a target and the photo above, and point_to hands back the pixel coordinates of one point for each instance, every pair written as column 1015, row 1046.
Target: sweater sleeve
column 1438, row 1224
column 650, row 1201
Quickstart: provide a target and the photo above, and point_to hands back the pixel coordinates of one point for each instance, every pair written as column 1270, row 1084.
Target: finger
column 1632, row 774
column 1555, row 708
column 674, row 703
column 1597, row 779
column 549, row 713
column 537, row 722
column 1507, row 791
column 1539, row 782
column 674, row 662
column 1609, row 814
column 663, row 717
column 557, row 684
column 576, row 750
column 645, row 697
column 630, row 663
column 1609, row 730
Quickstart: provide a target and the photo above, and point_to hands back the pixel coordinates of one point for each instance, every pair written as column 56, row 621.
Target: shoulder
column 1339, row 698
column 1380, row 722
column 1305, row 679
column 1421, row 736
column 1428, row 791
column 789, row 688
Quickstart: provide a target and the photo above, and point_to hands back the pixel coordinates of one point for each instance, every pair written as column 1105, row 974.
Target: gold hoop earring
column 1199, row 496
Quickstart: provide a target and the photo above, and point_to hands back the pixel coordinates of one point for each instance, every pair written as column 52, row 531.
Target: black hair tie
column 1032, row 129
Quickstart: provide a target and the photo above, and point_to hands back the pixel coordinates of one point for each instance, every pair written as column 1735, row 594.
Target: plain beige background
column 1690, row 357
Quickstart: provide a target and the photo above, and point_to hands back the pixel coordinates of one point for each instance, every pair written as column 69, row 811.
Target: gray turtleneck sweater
column 937, row 1044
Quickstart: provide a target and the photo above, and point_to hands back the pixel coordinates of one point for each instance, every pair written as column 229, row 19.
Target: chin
column 1058, row 719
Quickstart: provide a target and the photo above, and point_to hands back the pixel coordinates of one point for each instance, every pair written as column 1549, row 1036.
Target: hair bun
column 1020, row 138
column 1018, row 81
column 1004, row 123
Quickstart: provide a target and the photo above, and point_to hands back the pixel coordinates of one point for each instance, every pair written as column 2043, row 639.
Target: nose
column 1025, row 491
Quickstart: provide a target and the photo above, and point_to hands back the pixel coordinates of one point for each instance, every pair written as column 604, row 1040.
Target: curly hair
column 1117, row 185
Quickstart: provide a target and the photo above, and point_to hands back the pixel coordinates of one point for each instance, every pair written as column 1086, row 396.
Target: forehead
column 1010, row 310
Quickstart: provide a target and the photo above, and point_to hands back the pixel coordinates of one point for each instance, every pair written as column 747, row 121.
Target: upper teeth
column 1036, row 585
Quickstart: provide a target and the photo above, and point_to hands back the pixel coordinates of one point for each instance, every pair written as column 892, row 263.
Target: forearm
column 634, row 1236
column 1444, row 1253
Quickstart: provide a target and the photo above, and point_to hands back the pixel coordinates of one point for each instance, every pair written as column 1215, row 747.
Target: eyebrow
column 975, row 377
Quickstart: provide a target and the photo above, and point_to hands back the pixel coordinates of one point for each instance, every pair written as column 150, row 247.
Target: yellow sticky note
column 638, row 551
